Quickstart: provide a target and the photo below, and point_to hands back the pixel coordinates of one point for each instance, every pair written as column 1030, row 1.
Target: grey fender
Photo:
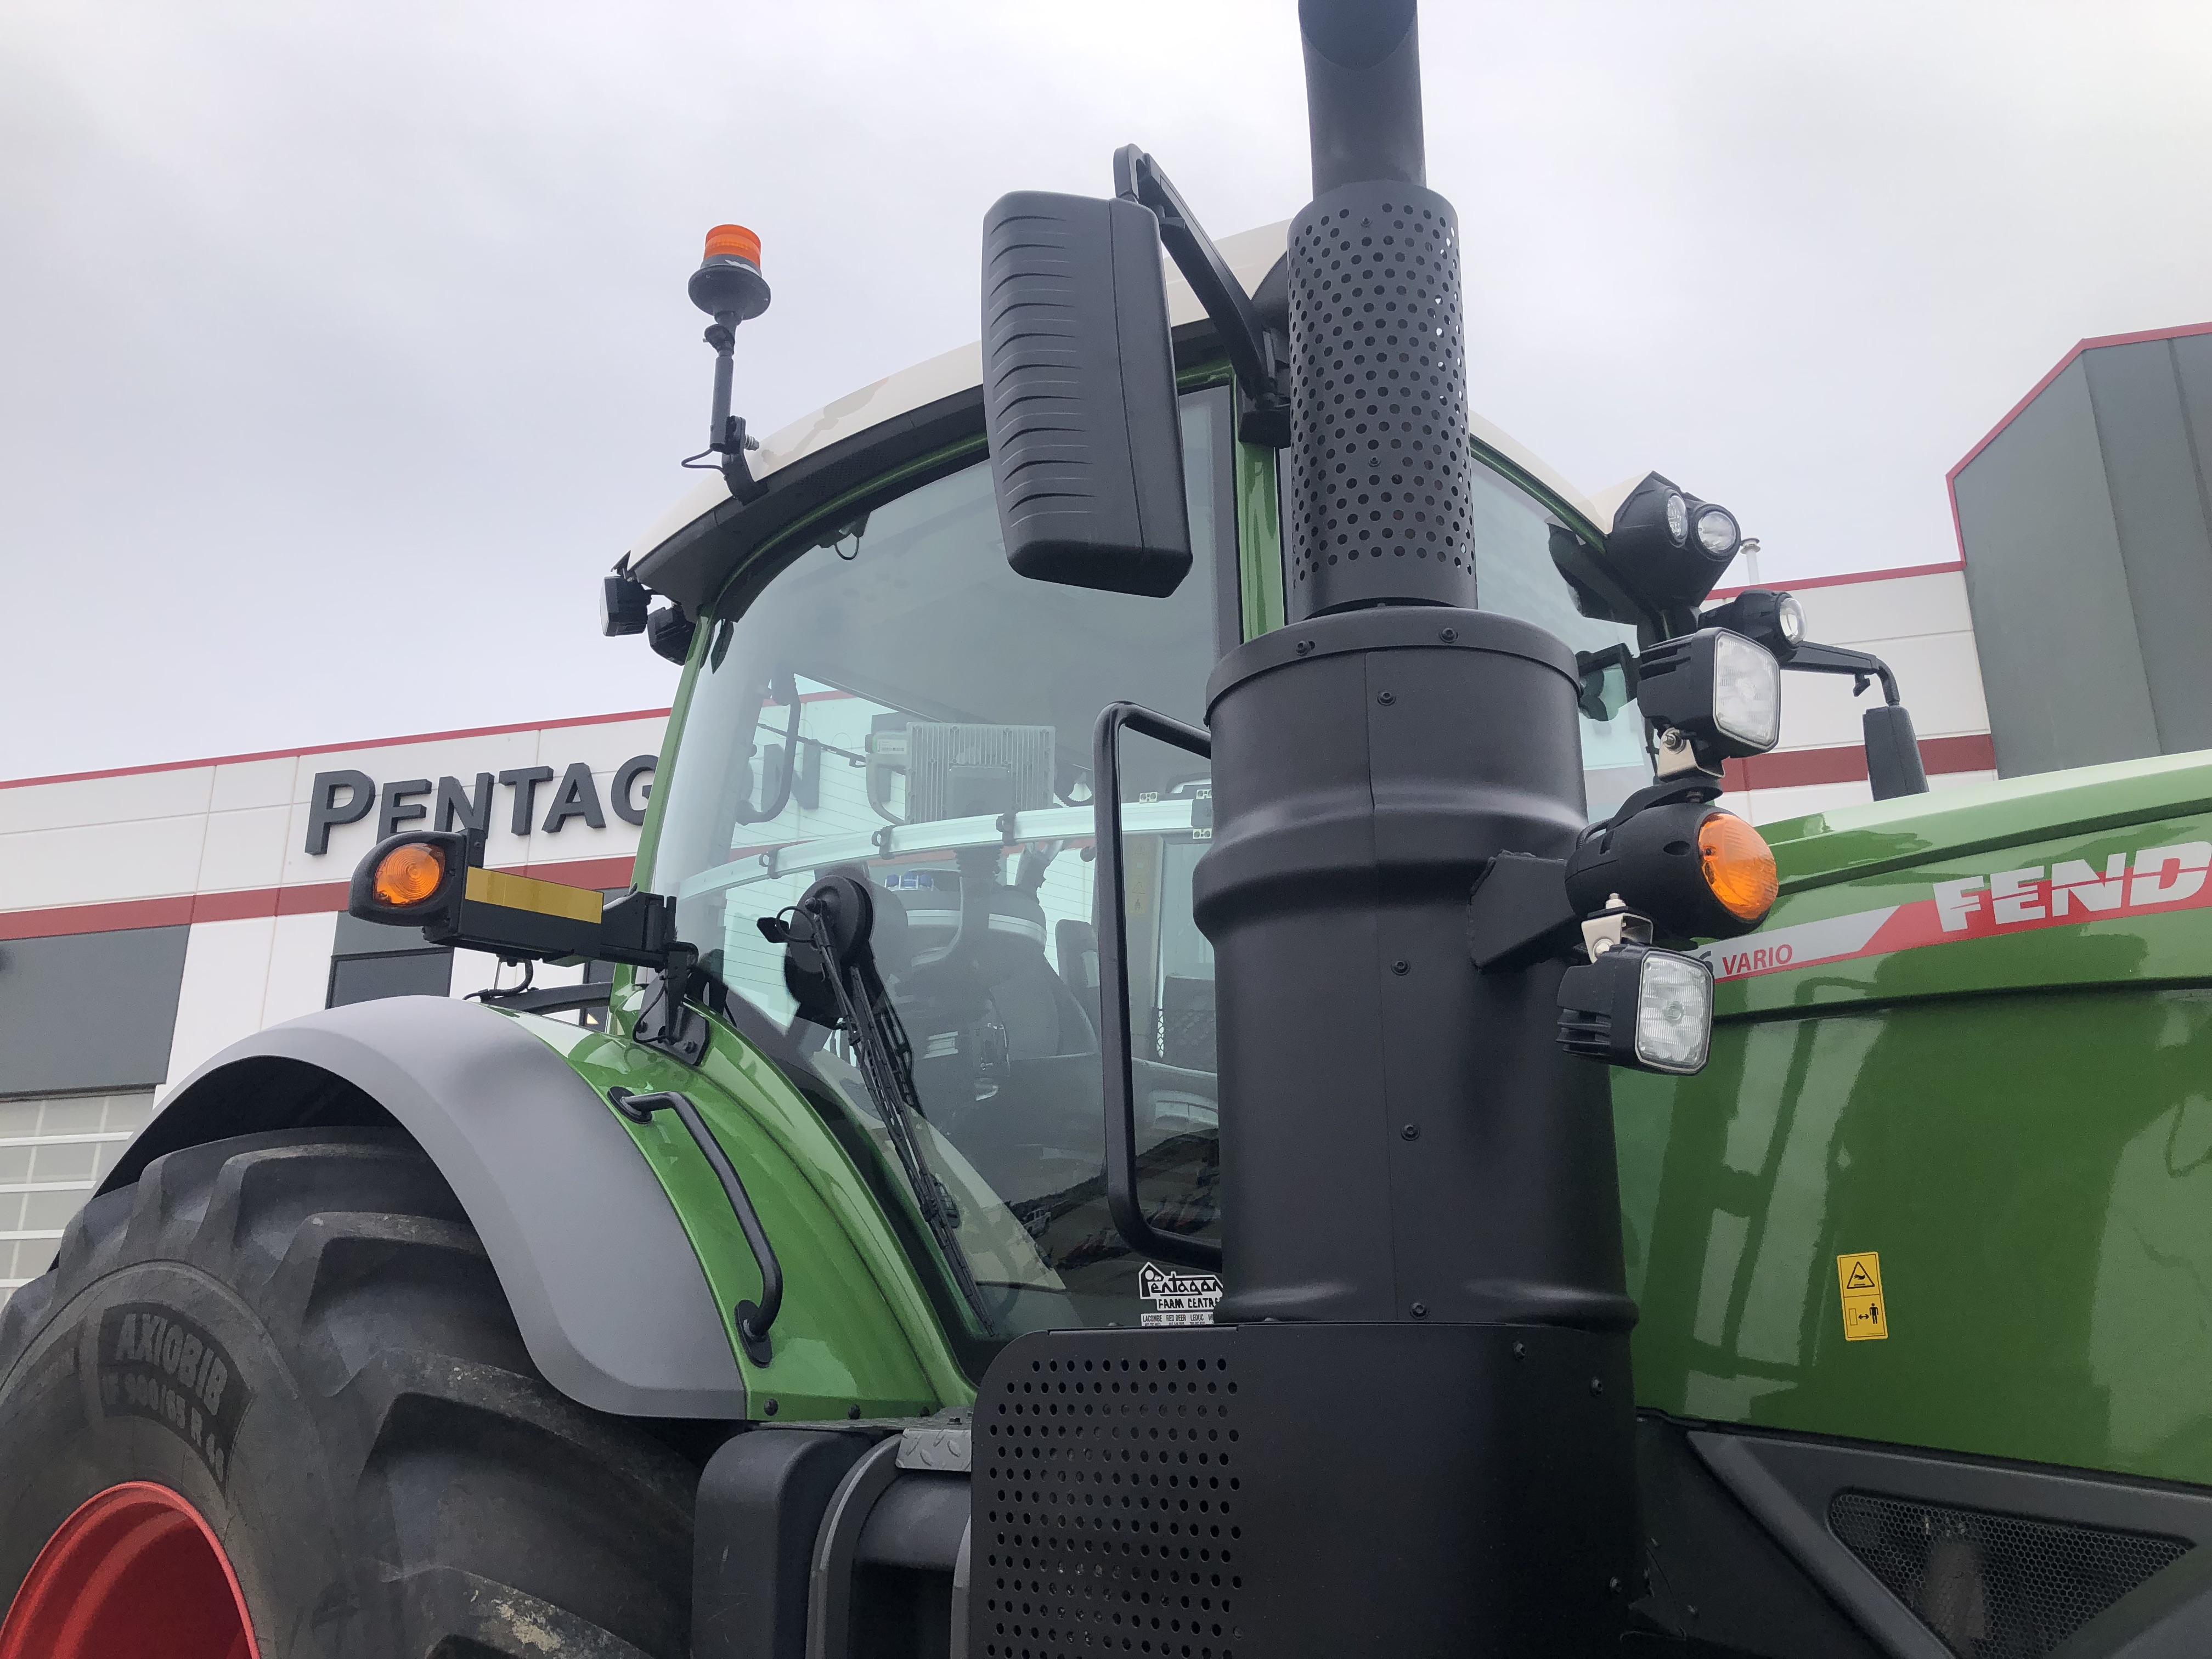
column 609, row 1296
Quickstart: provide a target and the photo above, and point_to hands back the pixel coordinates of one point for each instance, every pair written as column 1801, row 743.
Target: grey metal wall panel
column 2158, row 508
column 89, row 1010
column 2049, row 592
column 2192, row 365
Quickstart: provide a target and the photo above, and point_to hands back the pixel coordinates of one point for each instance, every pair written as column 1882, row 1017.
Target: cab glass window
column 895, row 703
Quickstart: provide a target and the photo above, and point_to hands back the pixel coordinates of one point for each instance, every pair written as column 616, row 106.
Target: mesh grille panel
column 1995, row 1586
column 1379, row 412
column 1107, row 1495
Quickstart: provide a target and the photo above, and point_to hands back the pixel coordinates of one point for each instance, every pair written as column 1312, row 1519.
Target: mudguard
column 608, row 1293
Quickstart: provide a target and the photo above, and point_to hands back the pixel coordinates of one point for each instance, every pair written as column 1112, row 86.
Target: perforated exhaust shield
column 1379, row 448
column 1299, row 1492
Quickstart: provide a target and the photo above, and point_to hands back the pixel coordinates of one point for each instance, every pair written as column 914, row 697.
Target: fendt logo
column 338, row 799
column 2145, row 881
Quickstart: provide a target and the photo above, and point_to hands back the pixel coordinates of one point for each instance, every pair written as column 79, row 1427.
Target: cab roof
column 684, row 551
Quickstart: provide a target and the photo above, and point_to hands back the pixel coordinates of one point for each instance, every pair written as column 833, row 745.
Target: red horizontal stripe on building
column 1848, row 579
column 340, row 748
column 1846, row 763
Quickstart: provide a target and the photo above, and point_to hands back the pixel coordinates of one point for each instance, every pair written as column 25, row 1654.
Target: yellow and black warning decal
column 1866, row 1309
column 545, row 898
column 547, row 918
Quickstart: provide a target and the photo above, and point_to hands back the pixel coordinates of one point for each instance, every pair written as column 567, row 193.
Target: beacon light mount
column 728, row 287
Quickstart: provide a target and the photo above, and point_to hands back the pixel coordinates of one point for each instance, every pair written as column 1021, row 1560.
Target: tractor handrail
column 1114, row 1042
column 753, row 1320
column 938, row 835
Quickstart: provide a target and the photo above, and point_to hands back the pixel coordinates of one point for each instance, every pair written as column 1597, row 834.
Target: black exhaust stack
column 1412, row 1431
column 1378, row 409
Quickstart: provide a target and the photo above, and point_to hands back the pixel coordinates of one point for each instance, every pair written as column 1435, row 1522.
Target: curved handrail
column 1114, row 1046
column 753, row 1320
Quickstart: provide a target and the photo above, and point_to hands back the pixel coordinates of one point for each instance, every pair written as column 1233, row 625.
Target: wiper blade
column 885, row 1057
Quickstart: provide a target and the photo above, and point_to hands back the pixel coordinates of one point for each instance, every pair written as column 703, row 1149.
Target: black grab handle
column 1135, row 1227
column 753, row 1320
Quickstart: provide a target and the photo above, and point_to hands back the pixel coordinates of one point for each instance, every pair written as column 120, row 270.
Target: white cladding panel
column 227, row 842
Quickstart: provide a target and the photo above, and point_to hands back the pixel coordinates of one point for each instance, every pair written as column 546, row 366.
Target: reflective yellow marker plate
column 1866, row 1309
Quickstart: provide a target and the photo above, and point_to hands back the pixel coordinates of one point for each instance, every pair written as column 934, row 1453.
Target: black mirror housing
column 1892, row 753
column 1079, row 394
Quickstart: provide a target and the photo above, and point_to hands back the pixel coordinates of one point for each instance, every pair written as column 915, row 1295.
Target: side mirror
column 1892, row 753
column 1079, row 394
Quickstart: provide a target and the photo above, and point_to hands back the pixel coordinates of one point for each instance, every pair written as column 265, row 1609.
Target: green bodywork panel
column 856, row 1327
column 2015, row 1113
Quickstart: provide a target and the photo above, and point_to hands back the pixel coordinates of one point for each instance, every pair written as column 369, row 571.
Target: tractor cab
column 875, row 692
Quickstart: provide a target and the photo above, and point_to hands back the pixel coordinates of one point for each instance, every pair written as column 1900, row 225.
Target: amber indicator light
column 733, row 242
column 1738, row 865
column 408, row 875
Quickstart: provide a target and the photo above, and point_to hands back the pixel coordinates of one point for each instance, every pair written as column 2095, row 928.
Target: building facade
column 2085, row 520
column 152, row 916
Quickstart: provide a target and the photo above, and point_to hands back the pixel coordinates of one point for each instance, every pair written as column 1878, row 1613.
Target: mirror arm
column 1257, row 357
column 1812, row 658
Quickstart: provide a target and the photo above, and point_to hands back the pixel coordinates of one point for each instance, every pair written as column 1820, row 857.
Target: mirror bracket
column 1258, row 356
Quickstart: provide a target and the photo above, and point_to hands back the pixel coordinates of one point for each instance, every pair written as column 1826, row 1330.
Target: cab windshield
column 896, row 704
column 893, row 703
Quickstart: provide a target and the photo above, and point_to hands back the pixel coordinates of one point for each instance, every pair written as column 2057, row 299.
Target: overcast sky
column 345, row 345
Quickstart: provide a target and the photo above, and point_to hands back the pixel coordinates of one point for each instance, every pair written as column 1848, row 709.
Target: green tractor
column 1195, row 1072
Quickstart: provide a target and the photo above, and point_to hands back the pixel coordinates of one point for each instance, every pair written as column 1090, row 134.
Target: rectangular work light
column 1639, row 1006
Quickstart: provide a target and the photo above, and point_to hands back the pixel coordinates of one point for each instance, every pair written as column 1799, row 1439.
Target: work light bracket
column 1518, row 914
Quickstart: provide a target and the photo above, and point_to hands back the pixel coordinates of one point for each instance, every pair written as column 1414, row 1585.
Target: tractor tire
column 295, row 1341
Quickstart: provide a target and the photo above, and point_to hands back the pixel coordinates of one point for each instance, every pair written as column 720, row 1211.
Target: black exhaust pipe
column 1364, row 93
column 1378, row 403
column 1412, row 1429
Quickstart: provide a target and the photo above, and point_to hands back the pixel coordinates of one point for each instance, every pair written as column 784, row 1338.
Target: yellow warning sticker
column 1866, row 1309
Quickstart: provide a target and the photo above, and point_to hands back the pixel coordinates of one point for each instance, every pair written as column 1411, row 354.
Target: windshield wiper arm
column 831, row 923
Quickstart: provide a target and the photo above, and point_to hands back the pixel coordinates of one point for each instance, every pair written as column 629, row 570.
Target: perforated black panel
column 1379, row 412
column 1107, row 1500
column 1995, row 1586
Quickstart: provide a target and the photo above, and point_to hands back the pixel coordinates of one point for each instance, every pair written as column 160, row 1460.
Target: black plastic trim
column 1787, row 1484
column 692, row 565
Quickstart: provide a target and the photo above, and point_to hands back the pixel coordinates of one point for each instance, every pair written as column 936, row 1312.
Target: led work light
column 1719, row 690
column 1718, row 532
column 1774, row 620
column 1639, row 1006
column 1668, row 545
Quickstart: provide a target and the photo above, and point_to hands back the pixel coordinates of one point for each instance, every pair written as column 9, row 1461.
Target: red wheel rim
column 136, row 1573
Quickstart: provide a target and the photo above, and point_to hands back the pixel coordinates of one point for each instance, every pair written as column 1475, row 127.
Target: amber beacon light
column 728, row 285
column 409, row 874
